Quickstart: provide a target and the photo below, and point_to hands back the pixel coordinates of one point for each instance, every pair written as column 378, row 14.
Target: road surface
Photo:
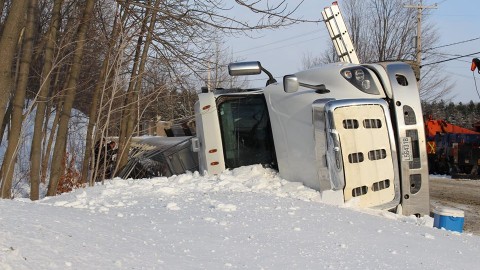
column 461, row 194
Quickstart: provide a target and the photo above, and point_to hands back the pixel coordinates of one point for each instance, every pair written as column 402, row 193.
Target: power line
column 451, row 44
column 287, row 45
column 276, row 42
column 444, row 55
column 450, row 59
column 475, row 80
column 458, row 75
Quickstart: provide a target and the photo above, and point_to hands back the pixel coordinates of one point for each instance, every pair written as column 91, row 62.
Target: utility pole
column 420, row 7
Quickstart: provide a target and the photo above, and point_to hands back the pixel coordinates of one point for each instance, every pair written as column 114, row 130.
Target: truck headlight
column 359, row 75
column 361, row 78
column 366, row 84
column 347, row 74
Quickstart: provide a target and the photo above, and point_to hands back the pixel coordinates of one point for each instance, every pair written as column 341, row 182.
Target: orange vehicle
column 452, row 149
column 475, row 65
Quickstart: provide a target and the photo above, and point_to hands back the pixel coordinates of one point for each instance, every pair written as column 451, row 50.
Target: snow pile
column 248, row 218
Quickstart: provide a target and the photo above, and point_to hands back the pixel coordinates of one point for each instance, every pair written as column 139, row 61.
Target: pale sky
column 281, row 51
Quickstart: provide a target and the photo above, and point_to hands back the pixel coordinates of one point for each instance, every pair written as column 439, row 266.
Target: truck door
column 246, row 132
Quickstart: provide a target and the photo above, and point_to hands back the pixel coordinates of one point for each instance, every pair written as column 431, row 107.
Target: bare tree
column 129, row 109
column 8, row 44
column 182, row 34
column 60, row 144
column 116, row 62
column 105, row 77
column 216, row 75
column 41, row 100
column 18, row 101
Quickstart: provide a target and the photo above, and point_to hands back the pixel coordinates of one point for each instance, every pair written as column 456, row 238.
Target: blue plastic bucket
column 451, row 219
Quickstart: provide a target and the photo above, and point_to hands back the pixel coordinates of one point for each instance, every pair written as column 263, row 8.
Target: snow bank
column 248, row 218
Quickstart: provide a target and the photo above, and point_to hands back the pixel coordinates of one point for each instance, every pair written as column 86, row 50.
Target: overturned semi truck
column 353, row 132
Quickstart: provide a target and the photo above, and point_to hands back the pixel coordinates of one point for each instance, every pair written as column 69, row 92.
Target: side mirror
column 290, row 83
column 244, row 68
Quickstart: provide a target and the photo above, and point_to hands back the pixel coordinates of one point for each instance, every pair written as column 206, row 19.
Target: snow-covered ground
column 247, row 218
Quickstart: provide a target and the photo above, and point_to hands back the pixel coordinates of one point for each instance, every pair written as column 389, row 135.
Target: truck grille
column 366, row 179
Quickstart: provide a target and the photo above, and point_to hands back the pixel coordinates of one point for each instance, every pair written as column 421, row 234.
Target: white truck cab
column 353, row 132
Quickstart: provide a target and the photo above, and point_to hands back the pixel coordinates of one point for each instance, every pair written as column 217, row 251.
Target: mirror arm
column 270, row 76
column 319, row 88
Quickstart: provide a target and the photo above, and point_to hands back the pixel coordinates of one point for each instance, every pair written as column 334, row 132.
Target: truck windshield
column 246, row 131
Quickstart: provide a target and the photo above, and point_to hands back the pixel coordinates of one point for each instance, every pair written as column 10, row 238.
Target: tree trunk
column 62, row 132
column 2, row 4
column 2, row 8
column 8, row 45
column 103, row 81
column 38, row 131
column 14, row 136
column 124, row 137
column 6, row 120
column 88, row 158
column 48, row 144
column 131, row 118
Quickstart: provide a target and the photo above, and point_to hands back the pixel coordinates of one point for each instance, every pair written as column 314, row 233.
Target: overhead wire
column 450, row 59
column 284, row 46
column 445, row 55
column 276, row 42
column 451, row 44
column 457, row 57
column 458, row 75
column 475, row 80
